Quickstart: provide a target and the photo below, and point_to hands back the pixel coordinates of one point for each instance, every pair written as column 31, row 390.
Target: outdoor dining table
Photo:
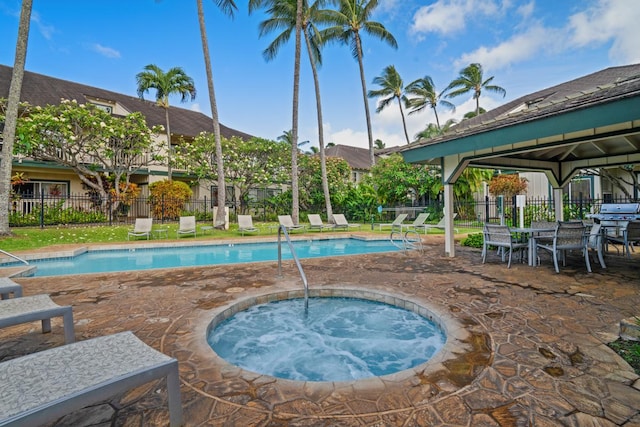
column 531, row 233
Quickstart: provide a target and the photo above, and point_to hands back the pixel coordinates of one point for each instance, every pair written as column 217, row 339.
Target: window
column 34, row 188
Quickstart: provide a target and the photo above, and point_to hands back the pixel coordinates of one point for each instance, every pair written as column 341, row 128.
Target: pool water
column 337, row 339
column 185, row 256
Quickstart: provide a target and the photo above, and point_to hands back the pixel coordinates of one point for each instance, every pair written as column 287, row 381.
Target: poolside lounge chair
column 439, row 225
column 187, row 226
column 16, row 311
column 418, row 222
column 287, row 222
column 315, row 223
column 339, row 221
column 44, row 386
column 7, row 287
column 397, row 223
column 245, row 225
column 142, row 228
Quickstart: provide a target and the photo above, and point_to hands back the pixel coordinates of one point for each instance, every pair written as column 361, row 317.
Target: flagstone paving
column 532, row 351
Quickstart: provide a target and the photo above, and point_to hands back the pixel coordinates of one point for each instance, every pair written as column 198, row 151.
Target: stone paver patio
column 532, row 351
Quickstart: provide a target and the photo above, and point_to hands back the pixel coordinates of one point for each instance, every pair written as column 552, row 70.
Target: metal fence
column 47, row 210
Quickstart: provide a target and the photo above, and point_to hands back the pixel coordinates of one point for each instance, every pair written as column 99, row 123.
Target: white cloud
column 195, row 107
column 105, row 51
column 44, row 29
column 614, row 21
column 450, row 16
column 348, row 137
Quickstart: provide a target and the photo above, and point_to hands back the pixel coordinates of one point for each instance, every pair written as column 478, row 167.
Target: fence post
column 41, row 208
column 110, row 209
column 486, row 209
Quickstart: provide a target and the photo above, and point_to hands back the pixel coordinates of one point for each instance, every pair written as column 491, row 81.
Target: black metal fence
column 47, row 210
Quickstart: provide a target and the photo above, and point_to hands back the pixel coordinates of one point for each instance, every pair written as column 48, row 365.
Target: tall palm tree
column 227, row 7
column 351, row 18
column 378, row 144
column 432, row 130
column 295, row 199
column 173, row 82
column 391, row 87
column 425, row 95
column 283, row 17
column 471, row 79
column 11, row 116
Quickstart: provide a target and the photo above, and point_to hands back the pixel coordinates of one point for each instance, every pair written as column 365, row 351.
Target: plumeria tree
column 248, row 164
column 92, row 142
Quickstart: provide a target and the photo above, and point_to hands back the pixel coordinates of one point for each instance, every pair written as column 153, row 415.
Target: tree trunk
column 404, row 122
column 219, row 220
column 295, row 203
column 372, row 158
column 11, row 118
column 166, row 117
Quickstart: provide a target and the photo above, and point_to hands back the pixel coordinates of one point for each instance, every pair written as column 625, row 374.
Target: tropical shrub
column 168, row 198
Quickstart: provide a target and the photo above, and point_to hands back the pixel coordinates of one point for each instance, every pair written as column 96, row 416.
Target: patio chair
column 44, row 386
column 397, row 223
column 245, row 225
column 501, row 237
column 187, row 226
column 8, row 287
column 16, row 311
column 568, row 236
column 417, row 223
column 142, row 228
column 339, row 221
column 439, row 225
column 595, row 242
column 315, row 223
column 630, row 235
column 287, row 222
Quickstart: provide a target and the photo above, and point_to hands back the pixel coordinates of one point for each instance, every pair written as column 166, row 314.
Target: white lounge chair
column 187, row 226
column 8, row 287
column 287, row 222
column 245, row 225
column 142, row 228
column 439, row 225
column 339, row 221
column 418, row 222
column 315, row 223
column 397, row 223
column 16, row 311
column 46, row 385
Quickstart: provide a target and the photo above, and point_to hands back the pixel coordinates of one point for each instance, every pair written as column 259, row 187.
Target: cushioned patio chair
column 417, row 223
column 245, row 225
column 187, row 226
column 630, row 235
column 439, row 225
column 315, row 223
column 568, row 236
column 142, row 228
column 396, row 224
column 16, row 311
column 41, row 387
column 339, row 221
column 8, row 287
column 501, row 237
column 287, row 222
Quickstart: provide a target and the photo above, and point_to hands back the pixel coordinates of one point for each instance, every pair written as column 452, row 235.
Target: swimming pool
column 147, row 258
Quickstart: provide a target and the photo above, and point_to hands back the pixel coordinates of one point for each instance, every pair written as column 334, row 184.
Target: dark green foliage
column 629, row 351
column 474, row 240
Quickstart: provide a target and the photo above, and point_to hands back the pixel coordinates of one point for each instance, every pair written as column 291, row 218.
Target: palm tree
column 425, row 96
column 295, row 200
column 227, row 7
column 174, row 81
column 471, row 79
column 283, row 17
column 348, row 21
column 391, row 87
column 378, row 144
column 11, row 116
column 432, row 130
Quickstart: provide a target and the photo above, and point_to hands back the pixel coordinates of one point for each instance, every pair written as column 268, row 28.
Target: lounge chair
column 16, row 311
column 287, row 222
column 397, row 223
column 439, row 225
column 245, row 225
column 339, row 221
column 44, row 386
column 8, row 287
column 315, row 223
column 187, row 226
column 501, row 237
column 142, row 228
column 418, row 222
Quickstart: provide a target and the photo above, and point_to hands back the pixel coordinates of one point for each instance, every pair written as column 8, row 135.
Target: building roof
column 358, row 158
column 41, row 90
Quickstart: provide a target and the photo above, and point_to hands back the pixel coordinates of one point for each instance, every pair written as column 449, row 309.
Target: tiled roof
column 358, row 158
column 38, row 89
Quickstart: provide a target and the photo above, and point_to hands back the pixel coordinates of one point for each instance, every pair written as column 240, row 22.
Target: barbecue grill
column 617, row 212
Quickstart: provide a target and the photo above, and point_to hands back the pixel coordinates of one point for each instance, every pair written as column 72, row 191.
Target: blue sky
column 525, row 45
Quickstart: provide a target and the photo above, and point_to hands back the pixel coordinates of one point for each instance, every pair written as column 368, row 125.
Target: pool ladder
column 410, row 240
column 14, row 256
column 282, row 230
